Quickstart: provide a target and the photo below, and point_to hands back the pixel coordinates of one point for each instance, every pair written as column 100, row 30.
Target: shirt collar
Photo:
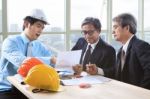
column 24, row 37
column 125, row 46
column 94, row 44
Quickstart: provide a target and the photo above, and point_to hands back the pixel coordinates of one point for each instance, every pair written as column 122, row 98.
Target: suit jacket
column 136, row 69
column 104, row 56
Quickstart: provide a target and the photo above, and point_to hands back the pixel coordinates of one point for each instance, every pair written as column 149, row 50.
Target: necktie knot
column 123, row 54
column 89, row 47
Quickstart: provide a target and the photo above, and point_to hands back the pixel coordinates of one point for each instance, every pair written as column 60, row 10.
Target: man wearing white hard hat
column 15, row 50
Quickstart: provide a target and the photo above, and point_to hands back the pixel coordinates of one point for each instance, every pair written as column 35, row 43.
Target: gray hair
column 127, row 19
column 94, row 21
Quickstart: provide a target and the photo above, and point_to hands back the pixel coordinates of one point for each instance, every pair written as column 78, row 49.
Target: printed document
column 68, row 59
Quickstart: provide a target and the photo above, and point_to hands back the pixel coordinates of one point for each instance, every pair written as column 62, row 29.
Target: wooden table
column 108, row 90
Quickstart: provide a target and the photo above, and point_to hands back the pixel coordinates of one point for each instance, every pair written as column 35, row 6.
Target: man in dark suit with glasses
column 97, row 57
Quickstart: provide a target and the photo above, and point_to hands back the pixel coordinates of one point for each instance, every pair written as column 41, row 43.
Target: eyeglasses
column 90, row 32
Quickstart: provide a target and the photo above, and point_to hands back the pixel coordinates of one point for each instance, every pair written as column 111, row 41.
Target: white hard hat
column 38, row 14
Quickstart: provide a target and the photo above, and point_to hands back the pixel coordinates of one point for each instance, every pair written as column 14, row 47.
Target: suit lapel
column 97, row 51
column 128, row 51
column 130, row 45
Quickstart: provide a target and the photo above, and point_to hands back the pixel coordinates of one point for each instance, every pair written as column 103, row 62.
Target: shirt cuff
column 100, row 71
column 53, row 65
column 45, row 60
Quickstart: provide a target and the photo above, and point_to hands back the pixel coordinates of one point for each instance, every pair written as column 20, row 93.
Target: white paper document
column 86, row 79
column 68, row 59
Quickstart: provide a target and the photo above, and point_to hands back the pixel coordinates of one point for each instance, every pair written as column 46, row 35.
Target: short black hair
column 32, row 20
column 94, row 21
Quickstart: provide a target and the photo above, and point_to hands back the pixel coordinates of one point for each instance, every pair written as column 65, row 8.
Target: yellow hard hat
column 43, row 76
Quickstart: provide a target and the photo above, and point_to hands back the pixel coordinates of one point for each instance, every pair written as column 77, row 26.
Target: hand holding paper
column 68, row 59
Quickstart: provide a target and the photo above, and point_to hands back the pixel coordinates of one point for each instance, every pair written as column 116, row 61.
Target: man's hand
column 91, row 69
column 53, row 60
column 77, row 69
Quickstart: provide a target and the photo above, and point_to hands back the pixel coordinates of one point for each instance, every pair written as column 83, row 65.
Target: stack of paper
column 86, row 79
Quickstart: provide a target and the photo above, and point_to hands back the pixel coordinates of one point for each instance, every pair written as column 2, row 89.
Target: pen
column 64, row 71
column 89, row 63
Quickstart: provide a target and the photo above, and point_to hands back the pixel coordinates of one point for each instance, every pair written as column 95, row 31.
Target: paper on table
column 86, row 79
column 68, row 59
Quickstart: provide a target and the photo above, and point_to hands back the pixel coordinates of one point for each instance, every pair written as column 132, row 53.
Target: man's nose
column 40, row 30
column 113, row 32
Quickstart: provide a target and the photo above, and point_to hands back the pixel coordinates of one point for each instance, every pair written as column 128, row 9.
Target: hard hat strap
column 40, row 90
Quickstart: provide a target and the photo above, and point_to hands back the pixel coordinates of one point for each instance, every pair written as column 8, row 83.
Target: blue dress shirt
column 13, row 54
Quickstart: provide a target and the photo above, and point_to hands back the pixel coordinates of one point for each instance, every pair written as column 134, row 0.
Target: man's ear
column 128, row 27
column 26, row 23
column 99, row 31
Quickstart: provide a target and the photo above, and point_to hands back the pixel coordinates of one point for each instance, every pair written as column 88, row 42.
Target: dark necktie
column 26, row 49
column 87, row 57
column 29, row 49
column 120, row 67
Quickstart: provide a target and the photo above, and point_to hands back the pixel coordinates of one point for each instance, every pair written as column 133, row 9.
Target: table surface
column 108, row 90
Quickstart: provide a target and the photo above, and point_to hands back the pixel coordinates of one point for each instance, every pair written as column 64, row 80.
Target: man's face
column 91, row 35
column 119, row 32
column 34, row 30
